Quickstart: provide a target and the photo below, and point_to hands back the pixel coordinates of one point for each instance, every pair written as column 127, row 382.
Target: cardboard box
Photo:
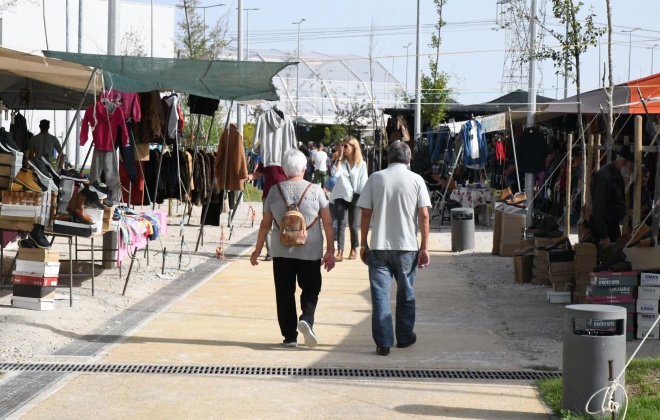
column 36, row 304
column 37, row 268
column 559, row 297
column 563, row 287
column 649, row 279
column 650, row 334
column 647, row 319
column 561, row 268
column 542, row 242
column 34, row 281
column 648, row 293
column 523, row 268
column 585, row 250
column 582, row 277
column 38, row 254
column 643, row 258
column 506, row 249
column 647, row 306
column 610, row 300
column 628, row 278
column 611, row 290
column 497, row 232
column 585, row 264
column 34, row 291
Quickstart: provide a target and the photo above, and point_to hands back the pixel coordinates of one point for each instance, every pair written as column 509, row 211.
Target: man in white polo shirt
column 320, row 160
column 396, row 202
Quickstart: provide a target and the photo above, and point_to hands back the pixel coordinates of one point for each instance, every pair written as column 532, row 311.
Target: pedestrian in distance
column 351, row 173
column 396, row 203
column 299, row 264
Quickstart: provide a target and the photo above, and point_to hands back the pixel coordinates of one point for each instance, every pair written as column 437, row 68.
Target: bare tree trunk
column 609, row 90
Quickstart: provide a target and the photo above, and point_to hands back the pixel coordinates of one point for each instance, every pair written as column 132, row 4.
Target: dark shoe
column 383, row 351
column 98, row 186
column 409, row 343
column 290, row 343
column 49, row 168
column 267, row 258
column 73, row 175
column 92, row 197
column 557, row 242
column 26, row 243
column 39, row 168
column 37, row 235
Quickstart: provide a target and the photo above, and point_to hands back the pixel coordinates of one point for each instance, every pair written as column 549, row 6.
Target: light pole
column 407, row 57
column 630, row 49
column 247, row 31
column 247, row 47
column 652, row 48
column 298, row 71
column 208, row 7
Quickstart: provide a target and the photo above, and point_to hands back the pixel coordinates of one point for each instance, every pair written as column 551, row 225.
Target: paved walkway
column 231, row 320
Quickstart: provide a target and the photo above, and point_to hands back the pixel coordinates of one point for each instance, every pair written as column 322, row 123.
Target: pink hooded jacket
column 104, row 127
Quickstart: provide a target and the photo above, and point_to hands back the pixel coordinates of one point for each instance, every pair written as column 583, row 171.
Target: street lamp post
column 208, row 7
column 407, row 57
column 630, row 48
column 652, row 48
column 298, row 71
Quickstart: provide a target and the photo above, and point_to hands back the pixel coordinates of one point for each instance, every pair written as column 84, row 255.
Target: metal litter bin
column 593, row 335
column 462, row 229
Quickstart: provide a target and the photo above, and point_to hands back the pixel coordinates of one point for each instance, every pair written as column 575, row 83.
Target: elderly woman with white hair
column 297, row 264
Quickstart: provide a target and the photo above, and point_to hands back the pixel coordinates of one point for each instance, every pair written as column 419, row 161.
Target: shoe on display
column 7, row 142
column 26, row 243
column 25, row 177
column 15, row 187
column 43, row 178
column 92, row 197
column 101, row 187
column 38, row 236
column 100, row 194
column 49, row 167
column 76, row 208
column 39, row 168
column 306, row 330
column 73, row 175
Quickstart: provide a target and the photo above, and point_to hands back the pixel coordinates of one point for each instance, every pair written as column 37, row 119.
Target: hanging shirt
column 531, row 151
column 104, row 127
column 273, row 136
column 129, row 103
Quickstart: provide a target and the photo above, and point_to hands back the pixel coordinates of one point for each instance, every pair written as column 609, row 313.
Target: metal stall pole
column 208, row 201
column 82, row 101
column 194, row 149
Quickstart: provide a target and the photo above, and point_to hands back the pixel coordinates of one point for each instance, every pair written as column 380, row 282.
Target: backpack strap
column 286, row 204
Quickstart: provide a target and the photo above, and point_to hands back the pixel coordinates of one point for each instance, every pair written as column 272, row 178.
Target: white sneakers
column 306, row 330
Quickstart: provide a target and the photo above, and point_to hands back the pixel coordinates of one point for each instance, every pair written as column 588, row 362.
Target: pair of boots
column 76, row 208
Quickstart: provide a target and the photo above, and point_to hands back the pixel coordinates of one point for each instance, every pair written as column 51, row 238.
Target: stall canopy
column 218, row 79
column 626, row 100
column 513, row 99
column 29, row 81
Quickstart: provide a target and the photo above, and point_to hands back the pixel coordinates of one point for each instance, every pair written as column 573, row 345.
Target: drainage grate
column 328, row 372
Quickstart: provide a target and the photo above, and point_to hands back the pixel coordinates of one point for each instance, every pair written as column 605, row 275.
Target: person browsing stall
column 44, row 144
column 297, row 264
column 351, row 172
column 396, row 203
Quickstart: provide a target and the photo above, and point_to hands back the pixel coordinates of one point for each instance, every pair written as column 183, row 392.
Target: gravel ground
column 32, row 336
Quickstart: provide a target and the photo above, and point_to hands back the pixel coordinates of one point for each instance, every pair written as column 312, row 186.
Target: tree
column 333, row 134
column 131, row 44
column 435, row 92
column 579, row 36
column 355, row 114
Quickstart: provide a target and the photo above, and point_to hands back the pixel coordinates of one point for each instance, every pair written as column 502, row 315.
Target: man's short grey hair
column 398, row 152
column 293, row 162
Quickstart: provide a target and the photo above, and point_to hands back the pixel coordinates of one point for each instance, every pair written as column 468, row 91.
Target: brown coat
column 236, row 169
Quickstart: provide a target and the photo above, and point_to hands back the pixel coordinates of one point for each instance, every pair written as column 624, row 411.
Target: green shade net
column 218, row 79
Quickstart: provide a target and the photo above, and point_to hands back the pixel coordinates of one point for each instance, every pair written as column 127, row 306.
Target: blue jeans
column 383, row 265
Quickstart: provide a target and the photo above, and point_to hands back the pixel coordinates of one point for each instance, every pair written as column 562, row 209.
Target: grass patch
column 642, row 385
column 252, row 193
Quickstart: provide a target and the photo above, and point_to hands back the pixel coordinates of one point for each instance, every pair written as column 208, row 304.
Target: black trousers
column 342, row 208
column 288, row 271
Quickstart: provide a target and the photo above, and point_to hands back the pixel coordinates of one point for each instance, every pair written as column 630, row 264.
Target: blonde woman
column 351, row 173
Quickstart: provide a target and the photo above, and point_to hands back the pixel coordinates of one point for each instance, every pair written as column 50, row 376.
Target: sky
column 472, row 50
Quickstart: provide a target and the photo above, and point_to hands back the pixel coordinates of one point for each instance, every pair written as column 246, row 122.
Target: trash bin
column 462, row 229
column 593, row 335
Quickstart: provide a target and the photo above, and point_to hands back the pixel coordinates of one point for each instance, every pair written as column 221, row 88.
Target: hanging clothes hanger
column 277, row 111
column 109, row 105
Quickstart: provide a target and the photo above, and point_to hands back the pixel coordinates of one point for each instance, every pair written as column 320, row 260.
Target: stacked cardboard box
column 609, row 288
column 34, row 278
column 497, row 232
column 523, row 266
column 648, row 298
column 513, row 226
column 10, row 165
column 584, row 262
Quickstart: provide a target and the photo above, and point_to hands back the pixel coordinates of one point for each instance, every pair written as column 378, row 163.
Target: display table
column 478, row 199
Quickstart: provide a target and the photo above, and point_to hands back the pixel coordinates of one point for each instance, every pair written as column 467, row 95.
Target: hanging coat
column 231, row 151
column 475, row 148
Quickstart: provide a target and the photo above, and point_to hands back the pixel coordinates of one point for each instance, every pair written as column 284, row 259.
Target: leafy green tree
column 435, row 92
column 333, row 134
